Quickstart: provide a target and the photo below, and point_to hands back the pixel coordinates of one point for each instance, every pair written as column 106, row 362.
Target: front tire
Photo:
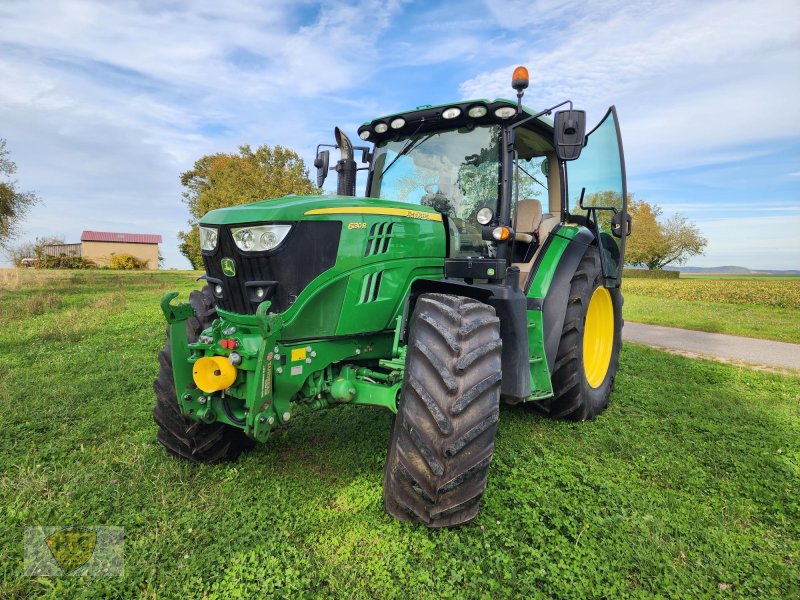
column 587, row 359
column 182, row 437
column 443, row 435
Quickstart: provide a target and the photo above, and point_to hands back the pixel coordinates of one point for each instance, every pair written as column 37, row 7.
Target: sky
column 105, row 103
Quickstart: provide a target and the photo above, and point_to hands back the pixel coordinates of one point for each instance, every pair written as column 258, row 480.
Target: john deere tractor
column 483, row 264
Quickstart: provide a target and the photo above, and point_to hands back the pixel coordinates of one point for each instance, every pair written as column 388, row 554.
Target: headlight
column 259, row 237
column 208, row 238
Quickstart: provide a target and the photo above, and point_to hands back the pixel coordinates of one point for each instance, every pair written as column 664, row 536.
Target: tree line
column 228, row 179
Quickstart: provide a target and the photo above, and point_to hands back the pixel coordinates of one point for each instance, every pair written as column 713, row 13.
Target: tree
column 14, row 204
column 33, row 249
column 220, row 180
column 19, row 251
column 655, row 243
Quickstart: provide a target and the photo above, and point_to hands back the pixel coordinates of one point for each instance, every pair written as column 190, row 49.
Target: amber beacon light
column 519, row 80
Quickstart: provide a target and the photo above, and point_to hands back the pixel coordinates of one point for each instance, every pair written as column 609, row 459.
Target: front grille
column 309, row 249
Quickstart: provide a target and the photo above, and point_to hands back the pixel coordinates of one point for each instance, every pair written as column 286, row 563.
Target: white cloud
column 692, row 82
column 709, row 84
column 105, row 103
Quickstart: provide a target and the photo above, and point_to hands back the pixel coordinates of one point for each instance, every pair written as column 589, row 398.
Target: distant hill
column 733, row 270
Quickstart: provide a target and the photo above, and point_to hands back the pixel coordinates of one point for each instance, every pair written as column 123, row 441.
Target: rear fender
column 554, row 303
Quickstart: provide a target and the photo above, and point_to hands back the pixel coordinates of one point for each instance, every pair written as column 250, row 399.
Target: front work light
column 259, row 237
column 398, row 123
column 451, row 113
column 208, row 238
column 485, row 215
column 478, row 111
column 505, row 112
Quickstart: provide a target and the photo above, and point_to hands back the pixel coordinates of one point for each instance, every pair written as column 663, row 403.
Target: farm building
column 100, row 246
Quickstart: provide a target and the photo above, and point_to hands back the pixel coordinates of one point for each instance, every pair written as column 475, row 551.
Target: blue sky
column 104, row 104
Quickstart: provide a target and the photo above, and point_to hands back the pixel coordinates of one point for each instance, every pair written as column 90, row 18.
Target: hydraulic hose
column 229, row 413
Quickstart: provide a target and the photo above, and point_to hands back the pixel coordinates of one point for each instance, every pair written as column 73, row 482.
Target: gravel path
column 728, row 348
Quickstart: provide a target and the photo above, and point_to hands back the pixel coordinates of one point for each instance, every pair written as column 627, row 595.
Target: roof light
column 505, row 112
column 451, row 113
column 381, row 128
column 476, row 112
column 398, row 123
column 364, row 135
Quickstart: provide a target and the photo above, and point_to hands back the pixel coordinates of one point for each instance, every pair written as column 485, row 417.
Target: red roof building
column 101, row 246
column 125, row 238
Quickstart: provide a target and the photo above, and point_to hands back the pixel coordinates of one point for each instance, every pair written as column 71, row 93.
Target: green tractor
column 466, row 276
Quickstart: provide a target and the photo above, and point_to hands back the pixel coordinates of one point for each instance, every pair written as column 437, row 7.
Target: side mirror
column 570, row 133
column 321, row 163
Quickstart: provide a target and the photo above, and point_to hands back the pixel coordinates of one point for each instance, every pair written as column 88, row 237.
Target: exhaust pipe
column 345, row 166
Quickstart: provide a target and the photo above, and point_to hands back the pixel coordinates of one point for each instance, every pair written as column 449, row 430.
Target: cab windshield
column 456, row 172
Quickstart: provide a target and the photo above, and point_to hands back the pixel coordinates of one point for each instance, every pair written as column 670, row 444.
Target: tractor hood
column 339, row 253
column 298, row 208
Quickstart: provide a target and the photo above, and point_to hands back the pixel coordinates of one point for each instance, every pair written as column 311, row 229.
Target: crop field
column 688, row 486
column 751, row 306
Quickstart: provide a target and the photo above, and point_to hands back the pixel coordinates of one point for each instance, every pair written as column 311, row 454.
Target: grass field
column 686, row 487
column 765, row 307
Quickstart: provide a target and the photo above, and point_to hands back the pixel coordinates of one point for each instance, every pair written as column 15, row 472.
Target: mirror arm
column 547, row 111
column 366, row 155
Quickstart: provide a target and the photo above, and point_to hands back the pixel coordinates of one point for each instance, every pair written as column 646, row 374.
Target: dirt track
column 727, row 348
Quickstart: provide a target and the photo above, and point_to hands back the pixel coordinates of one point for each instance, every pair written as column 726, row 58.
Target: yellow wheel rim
column 598, row 337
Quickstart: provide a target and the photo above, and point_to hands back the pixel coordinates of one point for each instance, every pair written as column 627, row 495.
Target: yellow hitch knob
column 213, row 373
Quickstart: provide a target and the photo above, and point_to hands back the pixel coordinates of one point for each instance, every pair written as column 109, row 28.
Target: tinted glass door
column 599, row 175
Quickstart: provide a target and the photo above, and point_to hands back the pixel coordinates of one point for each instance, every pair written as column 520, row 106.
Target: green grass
column 686, row 487
column 755, row 321
column 765, row 307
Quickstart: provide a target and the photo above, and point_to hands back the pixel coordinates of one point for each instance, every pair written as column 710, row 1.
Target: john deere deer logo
column 228, row 267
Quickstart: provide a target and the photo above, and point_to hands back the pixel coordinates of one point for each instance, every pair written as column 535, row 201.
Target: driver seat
column 529, row 218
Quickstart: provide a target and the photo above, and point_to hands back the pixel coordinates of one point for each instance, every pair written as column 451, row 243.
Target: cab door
column 597, row 189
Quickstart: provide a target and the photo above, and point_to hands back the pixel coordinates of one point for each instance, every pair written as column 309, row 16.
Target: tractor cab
column 503, row 177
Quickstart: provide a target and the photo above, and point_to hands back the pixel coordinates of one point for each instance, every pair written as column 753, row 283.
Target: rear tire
column 574, row 397
column 180, row 436
column 443, row 435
